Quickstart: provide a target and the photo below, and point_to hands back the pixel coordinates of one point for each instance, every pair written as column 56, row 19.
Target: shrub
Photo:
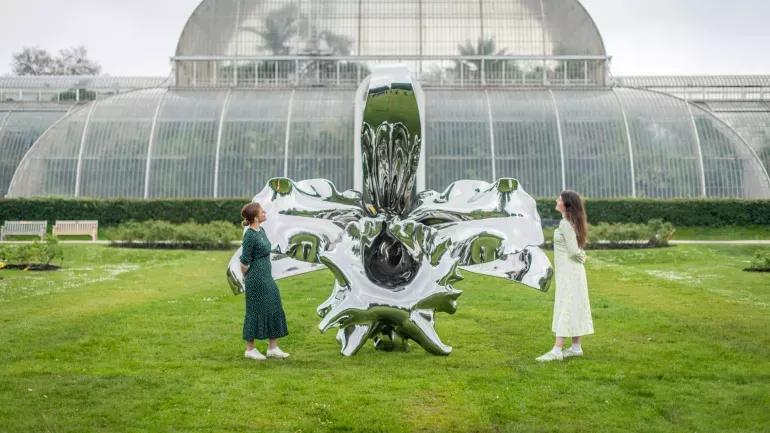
column 162, row 234
column 34, row 254
column 761, row 261
column 655, row 233
column 548, row 234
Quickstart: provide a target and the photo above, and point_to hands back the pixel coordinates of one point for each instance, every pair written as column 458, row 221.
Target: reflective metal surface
column 395, row 254
column 390, row 140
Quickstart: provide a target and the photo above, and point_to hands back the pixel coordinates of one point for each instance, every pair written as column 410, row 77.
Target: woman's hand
column 244, row 269
column 580, row 257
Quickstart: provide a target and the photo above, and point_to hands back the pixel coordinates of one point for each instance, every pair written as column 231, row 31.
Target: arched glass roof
column 228, row 143
column 752, row 121
column 244, row 28
column 73, row 88
column 663, row 81
column 21, row 124
column 81, row 81
column 280, row 43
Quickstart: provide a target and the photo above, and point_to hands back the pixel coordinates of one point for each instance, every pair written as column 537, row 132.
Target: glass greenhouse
column 514, row 88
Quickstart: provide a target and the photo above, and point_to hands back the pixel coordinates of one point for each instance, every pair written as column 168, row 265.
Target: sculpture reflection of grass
column 393, row 106
column 390, row 147
column 304, row 247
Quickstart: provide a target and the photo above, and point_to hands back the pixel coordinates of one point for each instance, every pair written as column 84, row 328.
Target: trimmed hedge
column 680, row 212
column 112, row 212
column 690, row 212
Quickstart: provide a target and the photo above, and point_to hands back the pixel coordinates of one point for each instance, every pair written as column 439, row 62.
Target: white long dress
column 572, row 310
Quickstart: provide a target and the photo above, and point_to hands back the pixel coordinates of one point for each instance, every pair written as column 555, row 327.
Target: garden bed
column 174, row 246
column 32, row 267
column 36, row 256
column 761, row 262
column 615, row 246
column 654, row 234
column 162, row 235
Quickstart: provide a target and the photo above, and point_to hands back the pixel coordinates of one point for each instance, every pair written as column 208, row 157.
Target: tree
column 33, row 61
column 37, row 61
column 337, row 45
column 471, row 69
column 75, row 61
column 279, row 28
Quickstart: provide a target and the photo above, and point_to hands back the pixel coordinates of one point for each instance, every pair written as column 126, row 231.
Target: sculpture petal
column 303, row 219
column 496, row 224
column 530, row 267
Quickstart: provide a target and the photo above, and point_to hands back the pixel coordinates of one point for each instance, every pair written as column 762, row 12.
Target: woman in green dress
column 265, row 318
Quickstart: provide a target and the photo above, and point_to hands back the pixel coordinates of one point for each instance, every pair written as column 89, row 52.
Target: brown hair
column 576, row 215
column 250, row 212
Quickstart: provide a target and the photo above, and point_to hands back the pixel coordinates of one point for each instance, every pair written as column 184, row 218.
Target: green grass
column 722, row 233
column 149, row 341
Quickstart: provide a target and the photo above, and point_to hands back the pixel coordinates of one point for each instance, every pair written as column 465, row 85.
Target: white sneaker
column 550, row 356
column 254, row 354
column 568, row 353
column 276, row 353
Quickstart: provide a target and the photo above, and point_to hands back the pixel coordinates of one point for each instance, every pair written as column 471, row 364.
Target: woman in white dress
column 571, row 310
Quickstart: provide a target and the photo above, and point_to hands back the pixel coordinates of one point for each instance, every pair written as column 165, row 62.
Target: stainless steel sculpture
column 395, row 254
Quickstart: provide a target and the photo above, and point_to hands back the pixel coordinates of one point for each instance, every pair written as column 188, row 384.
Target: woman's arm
column 570, row 237
column 247, row 251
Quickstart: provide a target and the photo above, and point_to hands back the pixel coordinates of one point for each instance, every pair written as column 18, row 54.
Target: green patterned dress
column 265, row 317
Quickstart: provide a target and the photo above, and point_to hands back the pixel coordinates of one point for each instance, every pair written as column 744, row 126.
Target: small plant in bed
column 36, row 256
column 761, row 262
column 217, row 235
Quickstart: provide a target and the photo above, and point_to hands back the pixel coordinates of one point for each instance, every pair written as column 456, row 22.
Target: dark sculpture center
column 389, row 264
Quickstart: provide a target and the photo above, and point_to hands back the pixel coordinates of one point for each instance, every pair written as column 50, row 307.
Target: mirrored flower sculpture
column 394, row 253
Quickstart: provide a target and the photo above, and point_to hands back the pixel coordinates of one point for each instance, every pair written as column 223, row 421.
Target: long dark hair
column 576, row 215
column 250, row 212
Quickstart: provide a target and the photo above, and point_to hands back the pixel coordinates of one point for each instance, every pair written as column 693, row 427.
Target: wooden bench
column 68, row 228
column 33, row 228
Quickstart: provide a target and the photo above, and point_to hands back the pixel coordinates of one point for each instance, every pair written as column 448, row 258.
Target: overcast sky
column 645, row 37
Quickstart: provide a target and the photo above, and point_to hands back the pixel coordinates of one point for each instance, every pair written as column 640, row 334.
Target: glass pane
column 184, row 149
column 457, row 143
column 527, row 140
column 253, row 140
column 596, row 154
column 321, row 138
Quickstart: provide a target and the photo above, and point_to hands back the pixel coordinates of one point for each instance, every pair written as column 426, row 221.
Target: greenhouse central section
column 175, row 143
column 259, row 89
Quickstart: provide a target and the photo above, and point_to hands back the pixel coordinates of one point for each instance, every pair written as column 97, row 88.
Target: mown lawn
column 149, row 341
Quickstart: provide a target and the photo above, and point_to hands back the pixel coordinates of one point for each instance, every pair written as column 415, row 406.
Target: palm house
column 266, row 88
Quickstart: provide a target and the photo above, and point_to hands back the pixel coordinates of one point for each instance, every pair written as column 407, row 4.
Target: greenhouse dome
column 392, row 27
column 514, row 88
column 525, row 42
